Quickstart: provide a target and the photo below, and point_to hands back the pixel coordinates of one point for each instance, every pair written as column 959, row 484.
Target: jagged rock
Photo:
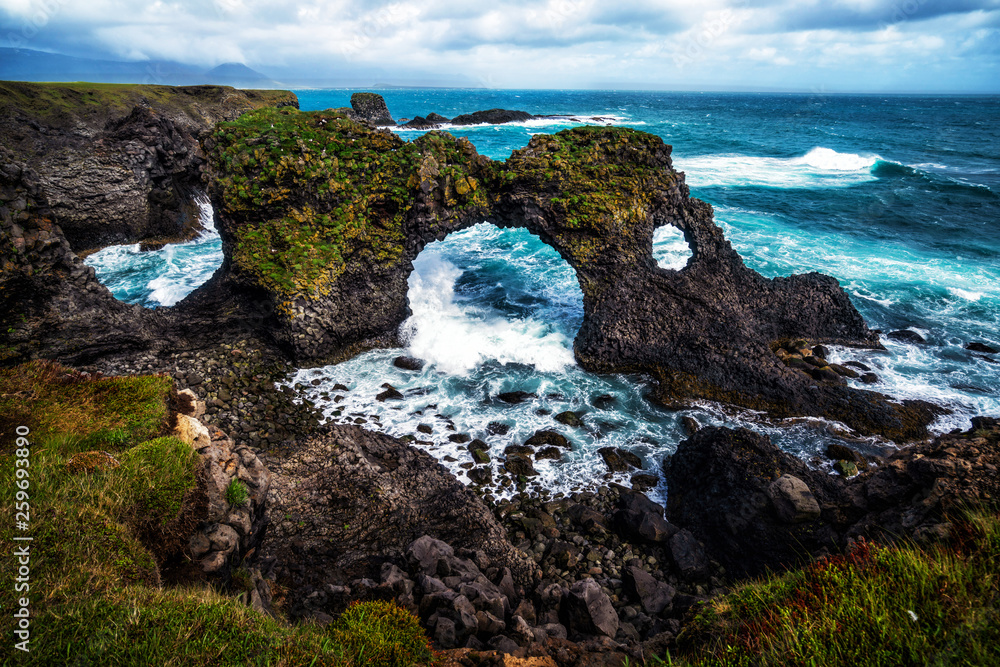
column 655, row 596
column 192, row 431
column 587, row 609
column 748, row 502
column 619, row 460
column 642, row 519
column 370, row 501
column 371, row 108
column 688, row 553
column 906, row 336
column 491, row 116
column 714, row 303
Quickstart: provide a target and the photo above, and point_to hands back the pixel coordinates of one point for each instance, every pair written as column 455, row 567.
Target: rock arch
column 321, row 218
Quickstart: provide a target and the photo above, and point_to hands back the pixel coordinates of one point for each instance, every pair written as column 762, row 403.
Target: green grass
column 237, row 493
column 66, row 103
column 101, row 533
column 878, row 605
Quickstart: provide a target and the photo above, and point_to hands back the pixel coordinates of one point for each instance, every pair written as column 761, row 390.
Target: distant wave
column 819, row 168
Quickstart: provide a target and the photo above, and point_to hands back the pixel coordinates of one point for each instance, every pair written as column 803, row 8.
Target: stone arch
column 324, row 221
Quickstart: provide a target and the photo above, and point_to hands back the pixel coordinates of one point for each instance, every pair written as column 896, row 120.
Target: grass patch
column 98, row 531
column 878, row 605
column 237, row 493
column 79, row 411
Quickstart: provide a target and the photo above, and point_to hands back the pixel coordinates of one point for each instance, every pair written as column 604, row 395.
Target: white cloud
column 553, row 43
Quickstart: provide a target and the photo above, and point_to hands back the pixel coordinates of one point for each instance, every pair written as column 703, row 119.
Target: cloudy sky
column 810, row 45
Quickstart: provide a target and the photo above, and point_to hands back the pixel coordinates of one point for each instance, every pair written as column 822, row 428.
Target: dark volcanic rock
column 548, row 438
column 515, row 397
column 519, row 465
column 655, row 596
column 408, row 363
column 491, row 116
column 420, row 123
column 704, row 332
column 982, row 347
column 436, row 118
column 753, row 506
column 906, row 336
column 569, row 418
column 619, row 460
column 371, row 108
column 586, row 609
column 368, row 503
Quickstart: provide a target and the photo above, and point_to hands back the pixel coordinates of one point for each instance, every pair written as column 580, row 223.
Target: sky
column 810, row 45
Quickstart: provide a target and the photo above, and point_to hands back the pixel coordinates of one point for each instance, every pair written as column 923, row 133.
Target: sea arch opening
column 488, row 294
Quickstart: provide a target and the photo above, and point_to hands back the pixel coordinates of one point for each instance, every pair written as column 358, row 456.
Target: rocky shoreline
column 336, row 513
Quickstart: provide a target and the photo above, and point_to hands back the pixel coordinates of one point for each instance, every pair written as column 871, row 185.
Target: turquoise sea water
column 897, row 197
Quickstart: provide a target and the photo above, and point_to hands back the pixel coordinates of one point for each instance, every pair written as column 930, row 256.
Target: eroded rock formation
column 322, row 217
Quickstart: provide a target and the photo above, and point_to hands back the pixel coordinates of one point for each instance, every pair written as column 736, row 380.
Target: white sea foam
column 670, row 249
column 456, row 339
column 820, row 167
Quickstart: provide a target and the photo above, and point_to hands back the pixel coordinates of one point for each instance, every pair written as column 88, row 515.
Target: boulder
column 619, row 460
column 654, row 596
column 569, row 418
column 793, row 500
column 587, row 609
column 550, row 438
column 982, row 347
column 752, row 505
column 408, row 363
column 515, row 397
column 906, row 336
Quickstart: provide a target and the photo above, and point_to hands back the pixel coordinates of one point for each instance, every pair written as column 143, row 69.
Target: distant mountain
column 239, row 75
column 29, row 65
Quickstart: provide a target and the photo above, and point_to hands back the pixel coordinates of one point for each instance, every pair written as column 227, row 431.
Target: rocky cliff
column 87, row 165
column 118, row 163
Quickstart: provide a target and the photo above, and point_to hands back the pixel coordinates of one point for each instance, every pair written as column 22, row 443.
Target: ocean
column 898, row 197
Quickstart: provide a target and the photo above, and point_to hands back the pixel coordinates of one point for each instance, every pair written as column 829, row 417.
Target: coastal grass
column 64, row 103
column 97, row 519
column 877, row 605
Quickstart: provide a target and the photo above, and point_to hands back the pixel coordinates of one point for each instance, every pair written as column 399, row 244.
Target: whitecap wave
column 457, row 339
column 819, row 168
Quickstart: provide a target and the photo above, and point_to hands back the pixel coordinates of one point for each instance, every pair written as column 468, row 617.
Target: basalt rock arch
column 321, row 218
